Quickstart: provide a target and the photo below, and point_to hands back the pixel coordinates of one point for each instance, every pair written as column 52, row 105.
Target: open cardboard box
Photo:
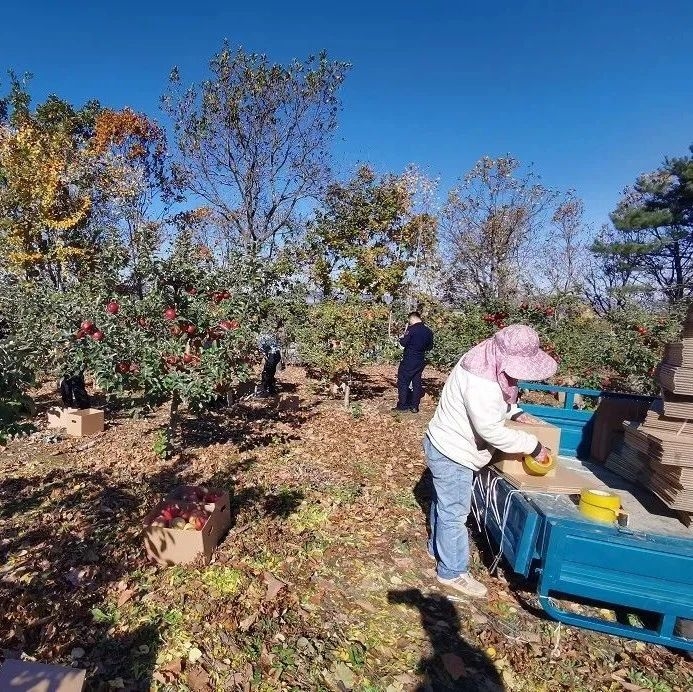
column 549, row 436
column 181, row 546
column 26, row 676
column 77, row 422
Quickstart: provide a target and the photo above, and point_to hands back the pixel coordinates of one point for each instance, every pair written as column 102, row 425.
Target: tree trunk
column 174, row 430
column 678, row 292
column 347, row 394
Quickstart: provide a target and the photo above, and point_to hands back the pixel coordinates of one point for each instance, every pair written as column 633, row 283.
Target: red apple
column 191, row 329
column 113, row 308
column 87, row 326
column 170, row 314
column 97, row 335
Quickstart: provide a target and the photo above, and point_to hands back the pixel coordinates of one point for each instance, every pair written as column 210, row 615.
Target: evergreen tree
column 653, row 221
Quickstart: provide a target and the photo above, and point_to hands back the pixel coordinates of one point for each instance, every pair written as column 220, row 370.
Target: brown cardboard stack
column 659, row 452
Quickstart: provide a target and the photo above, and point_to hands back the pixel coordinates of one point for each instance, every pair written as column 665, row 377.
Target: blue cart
column 644, row 570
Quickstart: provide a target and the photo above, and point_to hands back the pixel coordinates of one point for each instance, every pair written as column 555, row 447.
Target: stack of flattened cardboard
column 659, row 452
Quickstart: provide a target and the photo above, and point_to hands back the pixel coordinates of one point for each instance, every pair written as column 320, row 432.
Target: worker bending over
column 467, row 427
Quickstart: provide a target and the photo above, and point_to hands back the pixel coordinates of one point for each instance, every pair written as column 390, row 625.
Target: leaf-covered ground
column 323, row 582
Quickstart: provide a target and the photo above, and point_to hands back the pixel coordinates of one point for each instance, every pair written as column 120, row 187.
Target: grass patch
column 308, row 518
column 222, row 581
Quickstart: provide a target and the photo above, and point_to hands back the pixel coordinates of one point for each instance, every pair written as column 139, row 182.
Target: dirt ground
column 323, row 582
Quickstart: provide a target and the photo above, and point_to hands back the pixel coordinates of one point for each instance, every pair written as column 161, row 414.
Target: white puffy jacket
column 469, row 422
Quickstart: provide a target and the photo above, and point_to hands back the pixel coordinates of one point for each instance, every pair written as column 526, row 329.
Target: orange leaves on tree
column 125, row 128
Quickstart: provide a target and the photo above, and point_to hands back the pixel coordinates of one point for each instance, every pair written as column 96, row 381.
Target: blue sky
column 592, row 93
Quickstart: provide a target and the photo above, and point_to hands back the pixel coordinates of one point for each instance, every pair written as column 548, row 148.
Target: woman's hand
column 526, row 418
column 544, row 455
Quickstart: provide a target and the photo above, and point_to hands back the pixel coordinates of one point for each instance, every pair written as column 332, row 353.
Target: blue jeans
column 452, row 497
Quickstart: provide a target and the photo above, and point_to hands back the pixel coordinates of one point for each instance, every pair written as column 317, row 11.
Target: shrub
column 15, row 378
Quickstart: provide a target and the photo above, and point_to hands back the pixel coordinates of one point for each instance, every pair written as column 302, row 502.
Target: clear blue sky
column 592, row 92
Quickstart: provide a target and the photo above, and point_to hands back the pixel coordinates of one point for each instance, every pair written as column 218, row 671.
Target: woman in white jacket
column 468, row 425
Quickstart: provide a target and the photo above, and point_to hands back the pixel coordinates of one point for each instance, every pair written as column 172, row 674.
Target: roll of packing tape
column 601, row 498
column 604, row 515
column 535, row 468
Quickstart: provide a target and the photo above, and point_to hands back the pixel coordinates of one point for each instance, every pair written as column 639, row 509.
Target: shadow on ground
column 454, row 664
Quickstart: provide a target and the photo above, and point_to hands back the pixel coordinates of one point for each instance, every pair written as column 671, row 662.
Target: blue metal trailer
column 645, row 568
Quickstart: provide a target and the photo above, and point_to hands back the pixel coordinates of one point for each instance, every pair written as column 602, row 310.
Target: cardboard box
column 26, row 676
column 180, row 546
column 54, row 416
column 77, row 422
column 607, row 431
column 549, row 436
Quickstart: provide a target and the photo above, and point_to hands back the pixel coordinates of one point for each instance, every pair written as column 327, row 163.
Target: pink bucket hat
column 521, row 355
column 513, row 352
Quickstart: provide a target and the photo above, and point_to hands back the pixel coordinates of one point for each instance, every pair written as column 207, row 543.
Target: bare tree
column 489, row 225
column 564, row 254
column 253, row 139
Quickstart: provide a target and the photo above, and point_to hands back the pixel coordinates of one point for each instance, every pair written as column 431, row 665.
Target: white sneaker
column 466, row 584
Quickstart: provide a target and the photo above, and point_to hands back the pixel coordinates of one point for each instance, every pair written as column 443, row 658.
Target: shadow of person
column 454, row 664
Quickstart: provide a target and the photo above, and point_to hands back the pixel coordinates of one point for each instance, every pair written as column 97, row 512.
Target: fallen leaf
column 274, row 586
column 194, row 654
column 174, row 666
column 342, row 673
column 368, row 607
column 509, row 679
column 628, row 686
column 454, row 665
column 246, row 623
column 125, row 596
column 198, row 680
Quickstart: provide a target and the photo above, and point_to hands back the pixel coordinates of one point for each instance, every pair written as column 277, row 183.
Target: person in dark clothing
column 73, row 391
column 272, row 353
column 417, row 341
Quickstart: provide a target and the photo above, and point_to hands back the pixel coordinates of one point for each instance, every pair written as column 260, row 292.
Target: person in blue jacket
column 417, row 341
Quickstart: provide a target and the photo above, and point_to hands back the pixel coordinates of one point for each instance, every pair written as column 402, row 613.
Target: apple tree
column 185, row 340
column 338, row 338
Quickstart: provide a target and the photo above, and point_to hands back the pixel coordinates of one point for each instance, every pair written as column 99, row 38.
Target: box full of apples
column 190, row 522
